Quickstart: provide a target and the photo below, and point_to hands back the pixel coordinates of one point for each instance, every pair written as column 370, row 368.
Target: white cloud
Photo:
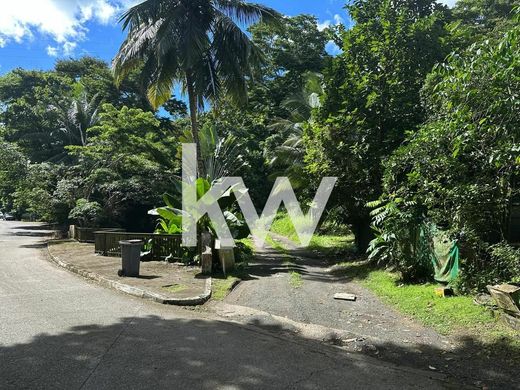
column 100, row 10
column 324, row 25
column 52, row 51
column 61, row 20
column 338, row 19
column 68, row 48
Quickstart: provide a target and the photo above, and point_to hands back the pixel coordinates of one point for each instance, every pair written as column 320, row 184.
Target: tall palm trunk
column 194, row 124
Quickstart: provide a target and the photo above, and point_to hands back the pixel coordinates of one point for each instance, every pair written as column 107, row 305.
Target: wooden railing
column 158, row 246
column 83, row 234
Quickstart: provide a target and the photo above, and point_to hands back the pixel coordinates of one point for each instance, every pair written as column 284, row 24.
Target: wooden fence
column 83, row 234
column 159, row 246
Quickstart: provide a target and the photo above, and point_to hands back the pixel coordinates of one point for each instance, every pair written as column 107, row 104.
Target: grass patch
column 221, row 286
column 448, row 316
column 295, row 279
column 420, row 301
column 331, row 244
column 324, row 243
column 283, row 226
column 175, row 288
column 247, row 242
column 276, row 245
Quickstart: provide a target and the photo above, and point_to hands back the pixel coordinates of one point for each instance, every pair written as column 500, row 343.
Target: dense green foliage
column 460, row 169
column 127, row 164
column 417, row 117
column 70, row 134
column 372, row 98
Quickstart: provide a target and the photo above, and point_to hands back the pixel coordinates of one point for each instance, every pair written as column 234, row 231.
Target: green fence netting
column 445, row 258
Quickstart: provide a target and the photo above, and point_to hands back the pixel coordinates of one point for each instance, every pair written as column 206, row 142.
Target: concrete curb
column 234, row 285
column 131, row 290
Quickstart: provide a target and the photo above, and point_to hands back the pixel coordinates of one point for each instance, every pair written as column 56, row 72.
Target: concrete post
column 206, row 255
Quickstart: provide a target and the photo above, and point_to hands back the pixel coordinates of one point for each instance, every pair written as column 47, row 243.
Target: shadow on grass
column 151, row 351
column 354, row 270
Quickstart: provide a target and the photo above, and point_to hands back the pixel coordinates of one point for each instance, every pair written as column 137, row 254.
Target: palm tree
column 75, row 115
column 195, row 43
column 80, row 116
column 288, row 158
column 222, row 156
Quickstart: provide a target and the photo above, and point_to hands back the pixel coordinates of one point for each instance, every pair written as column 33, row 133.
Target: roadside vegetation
column 295, row 279
column 222, row 286
column 456, row 316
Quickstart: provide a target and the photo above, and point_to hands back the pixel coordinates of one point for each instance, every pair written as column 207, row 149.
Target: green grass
column 280, row 247
column 284, row 227
column 295, row 279
column 449, row 316
column 328, row 243
column 221, row 286
column 175, row 288
column 420, row 301
column 325, row 243
column 247, row 242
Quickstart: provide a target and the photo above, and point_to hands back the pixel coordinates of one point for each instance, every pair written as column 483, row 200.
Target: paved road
column 59, row 331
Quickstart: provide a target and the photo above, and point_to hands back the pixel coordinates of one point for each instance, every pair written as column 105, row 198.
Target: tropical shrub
column 243, row 254
column 86, row 213
column 404, row 238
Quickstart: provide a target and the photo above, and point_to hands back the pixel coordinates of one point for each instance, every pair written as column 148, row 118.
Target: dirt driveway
column 293, row 293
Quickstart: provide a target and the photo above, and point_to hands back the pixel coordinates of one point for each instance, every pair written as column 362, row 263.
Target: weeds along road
column 59, row 331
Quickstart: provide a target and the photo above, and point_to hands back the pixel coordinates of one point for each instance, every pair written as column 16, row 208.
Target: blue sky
column 34, row 33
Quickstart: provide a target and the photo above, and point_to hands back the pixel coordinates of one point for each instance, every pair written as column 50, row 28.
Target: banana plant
column 170, row 217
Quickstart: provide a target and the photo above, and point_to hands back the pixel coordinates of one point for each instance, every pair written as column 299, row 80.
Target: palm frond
column 248, row 13
column 203, row 39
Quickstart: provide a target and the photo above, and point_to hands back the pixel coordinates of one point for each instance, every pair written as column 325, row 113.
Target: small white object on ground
column 345, row 296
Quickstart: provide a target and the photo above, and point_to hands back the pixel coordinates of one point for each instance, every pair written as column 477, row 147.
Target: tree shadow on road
column 270, row 261
column 35, row 227
column 32, row 233
column 152, row 352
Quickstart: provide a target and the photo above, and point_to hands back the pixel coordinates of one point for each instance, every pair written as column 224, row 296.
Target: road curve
column 58, row 331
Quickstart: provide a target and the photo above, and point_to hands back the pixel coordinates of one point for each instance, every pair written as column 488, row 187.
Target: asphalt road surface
column 59, row 331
